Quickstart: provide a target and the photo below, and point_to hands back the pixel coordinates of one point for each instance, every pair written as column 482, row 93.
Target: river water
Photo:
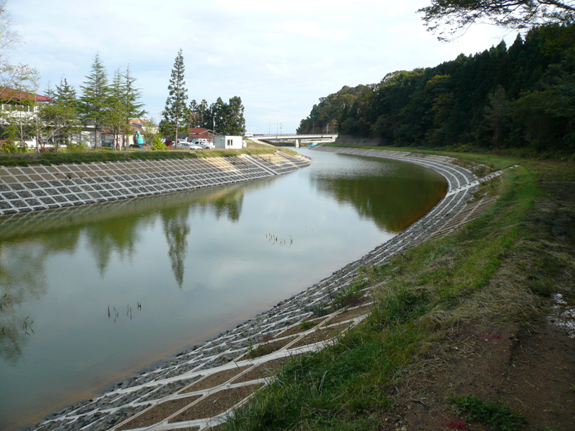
column 92, row 295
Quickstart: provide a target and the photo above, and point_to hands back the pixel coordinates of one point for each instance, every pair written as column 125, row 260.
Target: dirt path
column 528, row 366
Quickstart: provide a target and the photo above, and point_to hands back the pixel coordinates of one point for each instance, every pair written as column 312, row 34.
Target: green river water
column 177, row 269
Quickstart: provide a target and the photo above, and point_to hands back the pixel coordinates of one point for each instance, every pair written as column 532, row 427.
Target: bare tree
column 9, row 39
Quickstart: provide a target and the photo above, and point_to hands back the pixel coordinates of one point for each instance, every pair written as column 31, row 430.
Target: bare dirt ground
column 526, row 365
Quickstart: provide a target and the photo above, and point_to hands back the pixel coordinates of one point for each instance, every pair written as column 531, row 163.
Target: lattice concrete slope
column 198, row 388
column 38, row 188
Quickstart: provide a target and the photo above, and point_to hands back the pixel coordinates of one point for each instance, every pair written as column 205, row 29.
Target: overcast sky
column 279, row 57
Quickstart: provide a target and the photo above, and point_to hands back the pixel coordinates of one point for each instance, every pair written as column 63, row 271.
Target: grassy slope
column 500, row 267
column 120, row 156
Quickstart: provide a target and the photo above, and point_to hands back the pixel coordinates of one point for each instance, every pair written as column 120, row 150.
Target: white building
column 228, row 142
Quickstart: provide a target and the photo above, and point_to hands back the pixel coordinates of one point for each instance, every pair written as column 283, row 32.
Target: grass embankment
column 121, row 156
column 499, row 268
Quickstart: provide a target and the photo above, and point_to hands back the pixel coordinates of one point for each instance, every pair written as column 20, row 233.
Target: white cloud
column 280, row 57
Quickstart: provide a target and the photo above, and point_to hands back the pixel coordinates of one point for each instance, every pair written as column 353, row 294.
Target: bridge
column 298, row 138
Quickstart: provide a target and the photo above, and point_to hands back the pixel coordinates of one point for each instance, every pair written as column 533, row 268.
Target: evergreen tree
column 235, row 122
column 497, row 115
column 117, row 117
column 132, row 96
column 194, row 114
column 175, row 117
column 66, row 95
column 95, row 97
column 218, row 111
column 227, row 118
column 60, row 117
column 205, row 115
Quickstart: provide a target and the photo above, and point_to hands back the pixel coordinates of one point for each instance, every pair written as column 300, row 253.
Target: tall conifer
column 95, row 97
column 175, row 117
column 132, row 96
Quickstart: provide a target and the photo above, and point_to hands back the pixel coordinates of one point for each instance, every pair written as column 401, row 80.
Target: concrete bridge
column 298, row 138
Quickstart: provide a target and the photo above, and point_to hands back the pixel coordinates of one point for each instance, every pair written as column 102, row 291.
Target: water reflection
column 197, row 262
column 110, row 229
column 383, row 198
column 176, row 229
column 22, row 278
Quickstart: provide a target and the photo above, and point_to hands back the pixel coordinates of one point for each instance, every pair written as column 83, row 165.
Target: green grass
column 349, row 297
column 120, row 156
column 486, row 272
column 304, row 326
column 494, row 415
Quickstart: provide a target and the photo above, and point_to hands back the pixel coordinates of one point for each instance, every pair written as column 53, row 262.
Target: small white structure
column 228, row 142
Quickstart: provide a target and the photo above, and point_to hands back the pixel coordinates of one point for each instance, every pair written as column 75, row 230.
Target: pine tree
column 95, row 97
column 218, row 111
column 61, row 116
column 66, row 95
column 117, row 116
column 132, row 96
column 236, row 123
column 175, row 117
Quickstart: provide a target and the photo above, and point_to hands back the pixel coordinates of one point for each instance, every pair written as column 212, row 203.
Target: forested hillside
column 522, row 96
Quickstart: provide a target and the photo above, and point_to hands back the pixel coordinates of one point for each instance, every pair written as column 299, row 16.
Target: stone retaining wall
column 37, row 188
column 132, row 402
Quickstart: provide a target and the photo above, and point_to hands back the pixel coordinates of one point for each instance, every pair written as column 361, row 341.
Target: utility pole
column 281, row 129
column 277, row 127
column 270, row 127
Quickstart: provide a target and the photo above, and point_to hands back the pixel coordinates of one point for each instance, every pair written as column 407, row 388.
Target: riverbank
column 61, row 185
column 161, row 394
column 109, row 155
column 469, row 331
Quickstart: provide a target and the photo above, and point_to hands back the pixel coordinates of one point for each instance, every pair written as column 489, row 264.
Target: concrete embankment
column 199, row 387
column 39, row 188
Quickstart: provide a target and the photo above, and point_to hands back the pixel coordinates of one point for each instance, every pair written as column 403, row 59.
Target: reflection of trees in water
column 27, row 242
column 23, row 278
column 118, row 235
column 225, row 202
column 393, row 202
column 176, row 229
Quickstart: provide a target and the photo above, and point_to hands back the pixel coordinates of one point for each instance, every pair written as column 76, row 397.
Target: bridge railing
column 295, row 135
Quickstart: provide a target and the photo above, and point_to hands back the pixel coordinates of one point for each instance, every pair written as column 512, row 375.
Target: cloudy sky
column 279, row 57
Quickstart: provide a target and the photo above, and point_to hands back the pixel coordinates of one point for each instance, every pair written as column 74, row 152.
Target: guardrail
column 295, row 135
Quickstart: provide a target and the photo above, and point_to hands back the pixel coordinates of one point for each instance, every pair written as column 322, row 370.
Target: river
column 90, row 296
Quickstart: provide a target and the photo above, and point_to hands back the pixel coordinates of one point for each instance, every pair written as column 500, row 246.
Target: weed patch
column 494, row 415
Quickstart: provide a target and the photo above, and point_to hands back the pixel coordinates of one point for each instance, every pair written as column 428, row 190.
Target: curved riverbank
column 228, row 350
column 41, row 188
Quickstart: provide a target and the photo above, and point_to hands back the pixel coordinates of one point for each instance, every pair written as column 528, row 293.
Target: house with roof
column 20, row 104
column 201, row 133
column 17, row 106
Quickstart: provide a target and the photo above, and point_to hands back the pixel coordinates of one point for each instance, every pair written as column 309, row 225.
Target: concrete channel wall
column 173, row 395
column 39, row 188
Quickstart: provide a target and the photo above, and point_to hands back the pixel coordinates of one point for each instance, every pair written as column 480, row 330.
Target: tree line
column 178, row 116
column 520, row 96
column 103, row 103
